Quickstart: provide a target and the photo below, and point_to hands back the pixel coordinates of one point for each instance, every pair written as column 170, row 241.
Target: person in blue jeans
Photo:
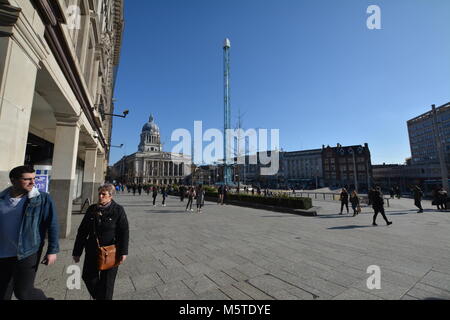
column 27, row 216
column 164, row 195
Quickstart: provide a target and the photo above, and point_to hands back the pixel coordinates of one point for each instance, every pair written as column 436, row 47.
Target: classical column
column 90, row 162
column 63, row 169
column 20, row 53
column 99, row 173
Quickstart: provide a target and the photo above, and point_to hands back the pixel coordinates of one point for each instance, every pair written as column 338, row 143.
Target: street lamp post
column 355, row 174
column 124, row 114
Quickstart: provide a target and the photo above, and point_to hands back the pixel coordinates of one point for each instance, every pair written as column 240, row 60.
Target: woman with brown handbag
column 103, row 233
column 354, row 200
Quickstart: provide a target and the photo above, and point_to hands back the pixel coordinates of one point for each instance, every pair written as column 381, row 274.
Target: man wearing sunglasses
column 26, row 217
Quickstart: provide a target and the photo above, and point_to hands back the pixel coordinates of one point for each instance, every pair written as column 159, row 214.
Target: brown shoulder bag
column 107, row 256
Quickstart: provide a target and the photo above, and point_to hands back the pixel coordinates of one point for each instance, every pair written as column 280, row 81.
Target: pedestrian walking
column 104, row 224
column 392, row 192
column 154, row 195
column 378, row 206
column 190, row 196
column 225, row 194
column 344, row 199
column 27, row 216
column 164, row 195
column 182, row 191
column 354, row 200
column 370, row 195
column 442, row 199
column 418, row 194
column 398, row 193
column 200, row 198
column 220, row 194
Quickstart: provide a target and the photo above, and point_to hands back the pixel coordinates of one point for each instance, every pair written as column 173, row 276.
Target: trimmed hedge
column 280, row 201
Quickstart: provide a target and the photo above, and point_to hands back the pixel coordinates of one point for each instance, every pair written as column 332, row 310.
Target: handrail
column 88, row 201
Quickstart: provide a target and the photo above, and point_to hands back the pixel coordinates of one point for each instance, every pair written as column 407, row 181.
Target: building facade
column 303, row 169
column 58, row 62
column 340, row 164
column 150, row 164
column 426, row 176
column 422, row 136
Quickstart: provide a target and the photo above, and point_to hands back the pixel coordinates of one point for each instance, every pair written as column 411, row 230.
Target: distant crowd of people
column 376, row 200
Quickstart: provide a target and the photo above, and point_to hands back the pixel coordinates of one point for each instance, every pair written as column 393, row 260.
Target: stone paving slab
column 230, row 252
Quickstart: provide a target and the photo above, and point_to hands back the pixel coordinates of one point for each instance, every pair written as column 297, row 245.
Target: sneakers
column 389, row 223
column 192, row 210
column 374, row 224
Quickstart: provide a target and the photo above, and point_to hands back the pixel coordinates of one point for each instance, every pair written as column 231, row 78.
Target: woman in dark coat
column 354, row 200
column 108, row 222
column 344, row 199
column 154, row 195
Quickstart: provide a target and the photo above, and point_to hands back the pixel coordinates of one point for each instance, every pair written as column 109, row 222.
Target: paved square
column 230, row 252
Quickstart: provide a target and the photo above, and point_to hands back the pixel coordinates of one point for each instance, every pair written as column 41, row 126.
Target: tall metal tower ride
column 227, row 114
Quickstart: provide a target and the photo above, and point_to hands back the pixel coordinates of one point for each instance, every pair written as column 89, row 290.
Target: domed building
column 150, row 164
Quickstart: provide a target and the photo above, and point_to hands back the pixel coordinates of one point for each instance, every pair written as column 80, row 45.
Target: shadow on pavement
column 348, row 227
column 165, row 211
column 283, row 216
column 336, row 216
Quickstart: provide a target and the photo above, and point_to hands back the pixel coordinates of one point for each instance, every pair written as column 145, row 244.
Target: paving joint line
column 291, row 284
column 417, row 282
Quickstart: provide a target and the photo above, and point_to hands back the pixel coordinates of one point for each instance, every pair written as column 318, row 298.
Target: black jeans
column 18, row 276
column 342, row 205
column 418, row 204
column 100, row 284
column 379, row 210
column 154, row 200
column 190, row 201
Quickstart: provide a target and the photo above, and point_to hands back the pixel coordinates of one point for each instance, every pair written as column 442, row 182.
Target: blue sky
column 310, row 68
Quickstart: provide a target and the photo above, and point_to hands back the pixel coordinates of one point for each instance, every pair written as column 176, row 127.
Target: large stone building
column 303, row 168
column 57, row 72
column 423, row 168
column 342, row 163
column 150, row 165
column 422, row 136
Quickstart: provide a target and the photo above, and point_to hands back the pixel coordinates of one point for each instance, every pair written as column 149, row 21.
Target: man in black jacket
column 105, row 222
column 344, row 199
column 378, row 206
column 418, row 194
